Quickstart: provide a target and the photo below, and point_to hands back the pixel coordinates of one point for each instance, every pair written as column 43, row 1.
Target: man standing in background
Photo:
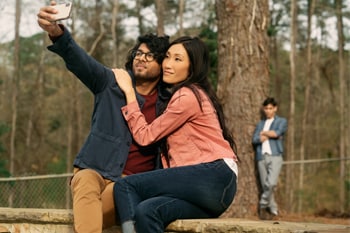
column 268, row 145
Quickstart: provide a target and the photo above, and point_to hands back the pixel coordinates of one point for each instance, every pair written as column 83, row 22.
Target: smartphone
column 64, row 10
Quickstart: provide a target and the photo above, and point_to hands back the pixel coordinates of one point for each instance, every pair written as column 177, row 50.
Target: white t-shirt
column 266, row 149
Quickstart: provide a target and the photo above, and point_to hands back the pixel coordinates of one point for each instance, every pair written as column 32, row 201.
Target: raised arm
column 92, row 73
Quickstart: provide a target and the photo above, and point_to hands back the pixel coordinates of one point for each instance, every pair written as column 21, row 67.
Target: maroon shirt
column 142, row 158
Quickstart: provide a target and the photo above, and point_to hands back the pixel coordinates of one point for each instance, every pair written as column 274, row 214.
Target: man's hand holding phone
column 63, row 10
column 48, row 15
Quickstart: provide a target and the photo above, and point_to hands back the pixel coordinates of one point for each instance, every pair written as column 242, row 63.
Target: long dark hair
column 198, row 76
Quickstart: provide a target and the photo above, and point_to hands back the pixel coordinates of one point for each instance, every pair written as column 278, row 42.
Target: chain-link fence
column 47, row 191
column 321, row 188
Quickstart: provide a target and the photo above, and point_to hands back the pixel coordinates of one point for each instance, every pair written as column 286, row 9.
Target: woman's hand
column 124, row 81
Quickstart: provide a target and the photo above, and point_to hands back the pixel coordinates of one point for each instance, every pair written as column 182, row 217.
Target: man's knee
column 119, row 186
column 86, row 178
column 144, row 211
column 148, row 218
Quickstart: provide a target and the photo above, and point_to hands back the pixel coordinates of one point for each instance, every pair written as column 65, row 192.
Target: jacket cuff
column 127, row 110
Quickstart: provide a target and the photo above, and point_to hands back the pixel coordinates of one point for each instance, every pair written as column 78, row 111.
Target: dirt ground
column 314, row 219
column 324, row 216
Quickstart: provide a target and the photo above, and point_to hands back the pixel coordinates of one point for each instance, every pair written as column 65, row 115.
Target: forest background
column 303, row 61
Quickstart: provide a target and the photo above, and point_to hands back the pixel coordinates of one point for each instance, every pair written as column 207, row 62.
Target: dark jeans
column 155, row 199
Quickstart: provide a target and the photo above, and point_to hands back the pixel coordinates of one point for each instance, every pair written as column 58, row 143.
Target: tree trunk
column 306, row 111
column 276, row 74
column 114, row 32
column 69, row 152
column 139, row 17
column 291, row 120
column 181, row 16
column 15, row 91
column 160, row 16
column 35, row 132
column 243, row 83
column 342, row 112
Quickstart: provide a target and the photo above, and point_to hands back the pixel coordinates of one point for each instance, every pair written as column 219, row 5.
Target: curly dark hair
column 156, row 44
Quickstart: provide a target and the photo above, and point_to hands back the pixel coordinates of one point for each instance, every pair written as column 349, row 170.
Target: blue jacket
column 107, row 146
column 279, row 125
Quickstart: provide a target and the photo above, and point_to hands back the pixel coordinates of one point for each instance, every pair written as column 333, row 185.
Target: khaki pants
column 269, row 169
column 93, row 203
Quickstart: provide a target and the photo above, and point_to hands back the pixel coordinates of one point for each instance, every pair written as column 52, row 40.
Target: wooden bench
column 18, row 220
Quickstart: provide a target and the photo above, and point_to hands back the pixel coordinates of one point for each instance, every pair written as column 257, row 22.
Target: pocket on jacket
column 103, row 152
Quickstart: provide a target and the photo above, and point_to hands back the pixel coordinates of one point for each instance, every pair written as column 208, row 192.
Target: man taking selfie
column 109, row 151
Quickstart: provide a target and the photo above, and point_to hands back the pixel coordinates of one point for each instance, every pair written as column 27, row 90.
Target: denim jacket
column 107, row 145
column 279, row 125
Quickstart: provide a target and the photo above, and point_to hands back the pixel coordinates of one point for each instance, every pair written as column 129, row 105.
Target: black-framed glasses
column 149, row 56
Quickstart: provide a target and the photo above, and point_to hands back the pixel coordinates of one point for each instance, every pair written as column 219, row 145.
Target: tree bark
column 160, row 16
column 243, row 83
column 306, row 111
column 291, row 120
column 139, row 17
column 15, row 91
column 343, row 128
column 276, row 74
column 181, row 16
column 114, row 32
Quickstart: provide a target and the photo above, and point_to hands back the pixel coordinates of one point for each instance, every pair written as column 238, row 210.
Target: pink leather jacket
column 194, row 136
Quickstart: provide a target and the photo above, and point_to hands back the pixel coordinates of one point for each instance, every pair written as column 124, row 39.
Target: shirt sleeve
column 92, row 73
column 256, row 135
column 281, row 127
column 182, row 107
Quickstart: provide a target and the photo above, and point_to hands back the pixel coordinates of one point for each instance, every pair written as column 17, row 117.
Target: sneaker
column 274, row 212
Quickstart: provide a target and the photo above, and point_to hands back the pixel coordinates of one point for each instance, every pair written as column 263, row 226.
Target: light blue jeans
column 152, row 200
column 269, row 169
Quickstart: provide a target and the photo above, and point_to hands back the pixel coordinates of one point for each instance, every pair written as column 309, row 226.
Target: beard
column 142, row 78
column 146, row 74
column 146, row 78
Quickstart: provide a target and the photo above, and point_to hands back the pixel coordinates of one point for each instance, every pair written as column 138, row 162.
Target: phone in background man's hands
column 64, row 10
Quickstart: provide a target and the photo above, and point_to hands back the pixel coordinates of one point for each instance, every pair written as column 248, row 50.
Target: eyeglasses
column 149, row 56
